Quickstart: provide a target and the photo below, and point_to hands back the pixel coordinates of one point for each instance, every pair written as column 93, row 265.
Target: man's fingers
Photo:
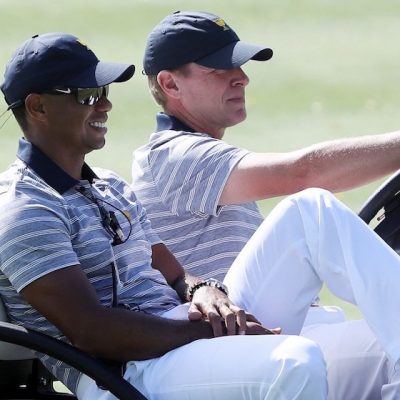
column 235, row 319
column 229, row 318
column 225, row 318
column 216, row 323
column 226, row 321
column 241, row 322
column 256, row 329
column 252, row 318
column 194, row 314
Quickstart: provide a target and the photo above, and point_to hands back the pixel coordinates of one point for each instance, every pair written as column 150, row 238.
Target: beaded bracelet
column 207, row 282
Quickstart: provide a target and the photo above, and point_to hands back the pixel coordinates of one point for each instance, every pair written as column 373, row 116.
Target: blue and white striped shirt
column 178, row 176
column 50, row 221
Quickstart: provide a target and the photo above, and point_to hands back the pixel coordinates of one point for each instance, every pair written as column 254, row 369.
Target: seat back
column 23, row 378
column 20, row 371
column 389, row 225
column 10, row 351
column 382, row 211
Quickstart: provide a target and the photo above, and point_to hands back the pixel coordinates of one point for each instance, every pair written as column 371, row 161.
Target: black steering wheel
column 385, row 201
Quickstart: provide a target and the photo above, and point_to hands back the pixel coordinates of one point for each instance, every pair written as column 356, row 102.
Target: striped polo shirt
column 51, row 221
column 178, row 176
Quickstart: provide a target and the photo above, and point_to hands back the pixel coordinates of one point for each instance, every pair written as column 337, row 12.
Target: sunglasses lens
column 91, row 96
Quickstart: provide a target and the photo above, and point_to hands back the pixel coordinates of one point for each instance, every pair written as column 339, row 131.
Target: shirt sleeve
column 35, row 241
column 190, row 172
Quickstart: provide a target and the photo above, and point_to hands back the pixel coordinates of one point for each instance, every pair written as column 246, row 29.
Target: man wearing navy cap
column 200, row 192
column 80, row 262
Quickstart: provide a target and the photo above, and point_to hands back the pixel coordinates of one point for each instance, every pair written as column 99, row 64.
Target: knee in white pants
column 312, row 195
column 304, row 370
column 294, row 369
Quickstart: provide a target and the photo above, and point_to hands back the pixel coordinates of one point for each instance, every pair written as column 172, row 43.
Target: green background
column 335, row 71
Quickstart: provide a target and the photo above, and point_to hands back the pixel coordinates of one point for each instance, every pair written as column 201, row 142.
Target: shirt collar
column 49, row 171
column 167, row 122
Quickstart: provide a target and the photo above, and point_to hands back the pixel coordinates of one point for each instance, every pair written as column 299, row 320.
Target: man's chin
column 96, row 146
column 240, row 117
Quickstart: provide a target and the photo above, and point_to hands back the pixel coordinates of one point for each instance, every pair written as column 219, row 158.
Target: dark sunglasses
column 86, row 96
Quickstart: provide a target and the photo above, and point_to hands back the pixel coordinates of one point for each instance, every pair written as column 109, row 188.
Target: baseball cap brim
column 234, row 55
column 101, row 74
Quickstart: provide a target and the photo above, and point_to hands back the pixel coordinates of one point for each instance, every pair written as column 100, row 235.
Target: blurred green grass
column 335, row 71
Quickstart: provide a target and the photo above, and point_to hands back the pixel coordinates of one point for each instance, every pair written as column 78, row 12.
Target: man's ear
column 167, row 81
column 34, row 106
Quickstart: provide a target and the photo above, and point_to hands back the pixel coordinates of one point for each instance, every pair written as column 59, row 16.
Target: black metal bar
column 85, row 363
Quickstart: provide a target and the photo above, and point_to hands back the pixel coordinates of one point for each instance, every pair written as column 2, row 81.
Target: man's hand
column 255, row 328
column 212, row 305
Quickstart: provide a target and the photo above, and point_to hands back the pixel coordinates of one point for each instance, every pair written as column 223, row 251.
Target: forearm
column 336, row 165
column 175, row 275
column 124, row 335
column 67, row 299
column 347, row 163
column 183, row 284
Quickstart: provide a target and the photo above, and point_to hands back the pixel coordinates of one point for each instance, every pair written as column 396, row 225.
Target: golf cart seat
column 22, row 376
column 382, row 211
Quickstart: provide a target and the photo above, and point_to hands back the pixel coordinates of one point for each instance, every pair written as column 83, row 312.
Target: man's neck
column 194, row 123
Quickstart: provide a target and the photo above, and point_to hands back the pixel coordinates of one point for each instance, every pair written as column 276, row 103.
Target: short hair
column 155, row 88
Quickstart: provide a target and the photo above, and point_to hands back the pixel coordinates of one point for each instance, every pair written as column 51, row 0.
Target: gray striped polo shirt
column 178, row 176
column 50, row 221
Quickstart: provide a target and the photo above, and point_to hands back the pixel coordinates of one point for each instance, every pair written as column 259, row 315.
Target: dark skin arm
column 67, row 299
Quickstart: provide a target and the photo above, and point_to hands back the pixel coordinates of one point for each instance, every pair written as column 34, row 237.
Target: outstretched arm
column 336, row 165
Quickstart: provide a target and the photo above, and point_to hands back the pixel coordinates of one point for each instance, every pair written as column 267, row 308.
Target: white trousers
column 308, row 239
column 227, row 368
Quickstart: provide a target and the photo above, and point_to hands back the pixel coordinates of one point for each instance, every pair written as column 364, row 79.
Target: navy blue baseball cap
column 200, row 37
column 56, row 59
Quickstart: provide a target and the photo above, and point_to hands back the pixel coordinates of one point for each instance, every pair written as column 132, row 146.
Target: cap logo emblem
column 66, row 91
column 220, row 22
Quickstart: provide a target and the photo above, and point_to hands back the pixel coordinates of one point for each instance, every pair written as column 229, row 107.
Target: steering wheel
column 386, row 198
